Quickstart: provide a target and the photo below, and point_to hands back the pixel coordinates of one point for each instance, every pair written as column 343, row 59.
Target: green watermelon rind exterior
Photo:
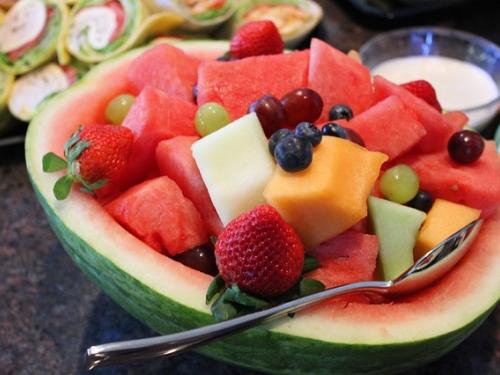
column 259, row 349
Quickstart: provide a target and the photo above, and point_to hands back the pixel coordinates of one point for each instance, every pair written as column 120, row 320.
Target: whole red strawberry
column 260, row 252
column 96, row 157
column 255, row 39
column 425, row 91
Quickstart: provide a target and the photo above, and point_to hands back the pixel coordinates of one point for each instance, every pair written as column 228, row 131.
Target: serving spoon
column 429, row 268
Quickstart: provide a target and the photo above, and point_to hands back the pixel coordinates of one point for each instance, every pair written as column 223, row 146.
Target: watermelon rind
column 169, row 297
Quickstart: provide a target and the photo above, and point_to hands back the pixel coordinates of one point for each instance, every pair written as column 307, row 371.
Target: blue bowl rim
column 459, row 34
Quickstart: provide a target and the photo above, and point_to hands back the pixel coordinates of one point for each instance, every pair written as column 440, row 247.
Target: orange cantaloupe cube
column 331, row 194
column 443, row 219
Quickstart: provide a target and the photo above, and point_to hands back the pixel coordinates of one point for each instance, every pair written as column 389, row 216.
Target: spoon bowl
column 428, row 269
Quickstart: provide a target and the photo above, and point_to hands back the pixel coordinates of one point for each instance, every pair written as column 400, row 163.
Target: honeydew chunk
column 443, row 219
column 93, row 25
column 330, row 195
column 31, row 89
column 235, row 165
column 22, row 24
column 396, row 227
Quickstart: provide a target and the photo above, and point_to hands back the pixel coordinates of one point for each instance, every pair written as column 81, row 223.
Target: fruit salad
column 278, row 173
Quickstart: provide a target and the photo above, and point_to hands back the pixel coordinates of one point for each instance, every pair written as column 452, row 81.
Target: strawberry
column 96, row 157
column 260, row 253
column 256, row 39
column 423, row 90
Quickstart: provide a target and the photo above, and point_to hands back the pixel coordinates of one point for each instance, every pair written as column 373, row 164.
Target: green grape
column 399, row 184
column 118, row 108
column 210, row 117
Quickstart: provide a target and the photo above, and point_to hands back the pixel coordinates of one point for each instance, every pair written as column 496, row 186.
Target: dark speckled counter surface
column 50, row 313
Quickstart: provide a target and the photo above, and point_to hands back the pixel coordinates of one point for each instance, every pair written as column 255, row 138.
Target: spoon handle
column 163, row 346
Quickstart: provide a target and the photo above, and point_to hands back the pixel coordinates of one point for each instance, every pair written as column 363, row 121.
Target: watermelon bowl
column 381, row 338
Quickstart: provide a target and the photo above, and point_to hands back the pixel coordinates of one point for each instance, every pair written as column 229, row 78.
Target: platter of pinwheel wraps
column 48, row 45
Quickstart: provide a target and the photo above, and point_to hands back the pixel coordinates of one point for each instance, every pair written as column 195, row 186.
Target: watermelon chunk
column 155, row 117
column 388, row 127
column 156, row 212
column 339, row 79
column 166, row 68
column 439, row 129
column 457, row 118
column 476, row 185
column 175, row 160
column 346, row 258
column 236, row 84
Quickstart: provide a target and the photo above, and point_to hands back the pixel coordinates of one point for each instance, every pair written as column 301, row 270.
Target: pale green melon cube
column 396, row 227
column 235, row 165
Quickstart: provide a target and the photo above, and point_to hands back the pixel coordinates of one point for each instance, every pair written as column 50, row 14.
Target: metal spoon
column 426, row 270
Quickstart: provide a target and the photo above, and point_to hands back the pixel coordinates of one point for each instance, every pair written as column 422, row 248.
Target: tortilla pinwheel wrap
column 199, row 15
column 101, row 29
column 6, row 81
column 295, row 19
column 32, row 89
column 30, row 34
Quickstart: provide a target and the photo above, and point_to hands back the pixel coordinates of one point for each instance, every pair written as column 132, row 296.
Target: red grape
column 270, row 112
column 465, row 146
column 302, row 105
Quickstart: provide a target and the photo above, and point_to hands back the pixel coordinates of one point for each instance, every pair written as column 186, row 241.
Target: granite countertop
column 50, row 313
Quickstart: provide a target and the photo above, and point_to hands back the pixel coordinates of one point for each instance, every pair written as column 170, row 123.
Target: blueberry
column 335, row 130
column 309, row 131
column 423, row 201
column 340, row 112
column 294, row 153
column 353, row 136
column 276, row 137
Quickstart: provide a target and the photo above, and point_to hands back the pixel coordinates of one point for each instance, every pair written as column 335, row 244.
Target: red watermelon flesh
column 347, row 258
column 339, row 79
column 236, row 84
column 476, row 185
column 388, row 127
column 175, row 160
column 154, row 117
column 457, row 118
column 156, row 212
column 439, row 129
column 166, row 68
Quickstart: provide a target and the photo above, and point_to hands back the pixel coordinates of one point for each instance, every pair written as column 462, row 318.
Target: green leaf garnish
column 53, row 163
column 62, row 187
column 215, row 288
column 310, row 286
column 234, row 294
column 310, row 264
column 222, row 310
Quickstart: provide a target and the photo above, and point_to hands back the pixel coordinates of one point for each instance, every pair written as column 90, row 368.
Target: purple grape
column 270, row 112
column 200, row 258
column 302, row 105
column 354, row 137
column 465, row 146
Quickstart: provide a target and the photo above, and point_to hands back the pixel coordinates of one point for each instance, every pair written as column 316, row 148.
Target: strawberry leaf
column 62, row 187
column 73, row 140
column 53, row 163
column 310, row 286
column 76, row 151
column 215, row 288
column 310, row 264
column 222, row 310
column 234, row 294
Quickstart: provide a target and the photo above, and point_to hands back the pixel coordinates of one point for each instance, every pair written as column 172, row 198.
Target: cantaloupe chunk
column 330, row 195
column 444, row 219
